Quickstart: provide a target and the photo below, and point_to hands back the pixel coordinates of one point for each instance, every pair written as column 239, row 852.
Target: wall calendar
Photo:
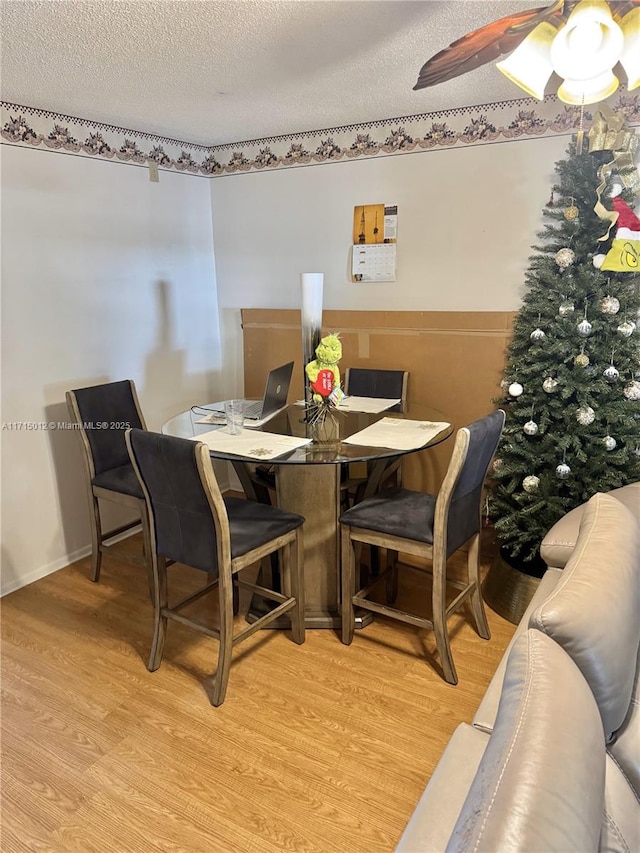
column 375, row 228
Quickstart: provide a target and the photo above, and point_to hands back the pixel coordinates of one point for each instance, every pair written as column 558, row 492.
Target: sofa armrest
column 540, row 784
column 432, row 822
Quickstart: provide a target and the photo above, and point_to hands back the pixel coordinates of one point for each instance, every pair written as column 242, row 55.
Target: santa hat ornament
column 624, row 254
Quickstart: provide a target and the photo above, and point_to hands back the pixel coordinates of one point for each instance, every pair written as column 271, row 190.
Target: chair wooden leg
column 440, row 618
column 348, row 585
column 293, row 578
column 390, row 565
column 160, row 602
column 477, row 604
column 96, row 538
column 225, row 649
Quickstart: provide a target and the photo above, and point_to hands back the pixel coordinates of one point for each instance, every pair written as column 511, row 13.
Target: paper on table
column 216, row 417
column 397, row 433
column 366, row 404
column 213, row 418
column 262, row 445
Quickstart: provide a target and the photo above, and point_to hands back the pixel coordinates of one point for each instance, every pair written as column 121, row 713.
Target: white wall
column 105, row 276
column 467, row 218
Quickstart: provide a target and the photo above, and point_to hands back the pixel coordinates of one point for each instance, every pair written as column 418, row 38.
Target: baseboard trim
column 56, row 565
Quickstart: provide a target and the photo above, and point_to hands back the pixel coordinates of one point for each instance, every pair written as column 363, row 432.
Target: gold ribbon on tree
column 609, row 132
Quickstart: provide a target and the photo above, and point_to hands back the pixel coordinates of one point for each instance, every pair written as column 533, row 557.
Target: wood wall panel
column 455, row 360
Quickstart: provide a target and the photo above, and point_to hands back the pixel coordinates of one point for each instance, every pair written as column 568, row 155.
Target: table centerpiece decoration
column 323, row 374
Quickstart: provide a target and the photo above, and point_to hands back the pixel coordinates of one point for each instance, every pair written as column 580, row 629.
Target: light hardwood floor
column 317, row 748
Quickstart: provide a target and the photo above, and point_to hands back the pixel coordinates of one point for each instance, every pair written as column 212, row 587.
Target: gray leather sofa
column 551, row 760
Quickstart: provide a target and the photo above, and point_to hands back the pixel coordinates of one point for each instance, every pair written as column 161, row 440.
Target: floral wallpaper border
column 509, row 120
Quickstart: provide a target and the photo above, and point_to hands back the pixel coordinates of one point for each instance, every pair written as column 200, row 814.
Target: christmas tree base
column 508, row 590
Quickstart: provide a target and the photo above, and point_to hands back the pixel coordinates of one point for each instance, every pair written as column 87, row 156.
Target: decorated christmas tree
column 572, row 379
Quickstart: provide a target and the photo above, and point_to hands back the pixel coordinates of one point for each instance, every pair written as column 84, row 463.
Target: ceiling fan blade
column 488, row 43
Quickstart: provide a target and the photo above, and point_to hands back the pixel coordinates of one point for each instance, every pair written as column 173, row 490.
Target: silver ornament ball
column 537, row 335
column 626, row 329
column 515, row 389
column 531, row 483
column 611, row 374
column 566, row 308
column 584, row 328
column 530, row 428
column 563, row 471
column 609, row 442
column 549, row 385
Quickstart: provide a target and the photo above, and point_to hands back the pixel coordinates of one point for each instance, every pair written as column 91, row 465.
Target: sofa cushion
column 625, row 747
column 621, row 820
column 593, row 611
column 432, row 822
column 540, row 783
column 560, row 541
column 485, row 716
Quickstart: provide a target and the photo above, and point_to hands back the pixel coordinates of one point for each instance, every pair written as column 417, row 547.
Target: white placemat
column 255, row 445
column 397, row 433
column 372, row 405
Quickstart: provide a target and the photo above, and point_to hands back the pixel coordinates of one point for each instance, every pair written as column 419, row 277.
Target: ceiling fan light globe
column 529, row 65
column 578, row 92
column 589, row 44
column 630, row 58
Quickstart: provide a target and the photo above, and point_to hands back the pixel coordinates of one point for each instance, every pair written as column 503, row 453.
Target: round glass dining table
column 308, row 481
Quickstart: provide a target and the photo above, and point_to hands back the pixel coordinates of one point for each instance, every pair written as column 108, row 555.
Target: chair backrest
column 459, row 504
column 187, row 515
column 103, row 413
column 370, row 382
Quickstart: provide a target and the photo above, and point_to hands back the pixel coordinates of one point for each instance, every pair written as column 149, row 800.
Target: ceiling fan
column 580, row 40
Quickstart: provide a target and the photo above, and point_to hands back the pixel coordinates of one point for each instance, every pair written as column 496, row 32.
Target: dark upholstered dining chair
column 372, row 382
column 427, row 526
column 192, row 524
column 101, row 414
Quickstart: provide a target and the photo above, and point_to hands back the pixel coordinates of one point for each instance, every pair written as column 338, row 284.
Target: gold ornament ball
column 632, row 390
column 585, row 415
column 581, row 360
column 610, row 305
column 571, row 213
column 565, row 257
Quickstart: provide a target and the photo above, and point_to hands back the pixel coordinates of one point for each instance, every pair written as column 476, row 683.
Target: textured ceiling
column 219, row 71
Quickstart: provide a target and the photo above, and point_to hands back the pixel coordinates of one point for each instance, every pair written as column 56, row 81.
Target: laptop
column 276, row 391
